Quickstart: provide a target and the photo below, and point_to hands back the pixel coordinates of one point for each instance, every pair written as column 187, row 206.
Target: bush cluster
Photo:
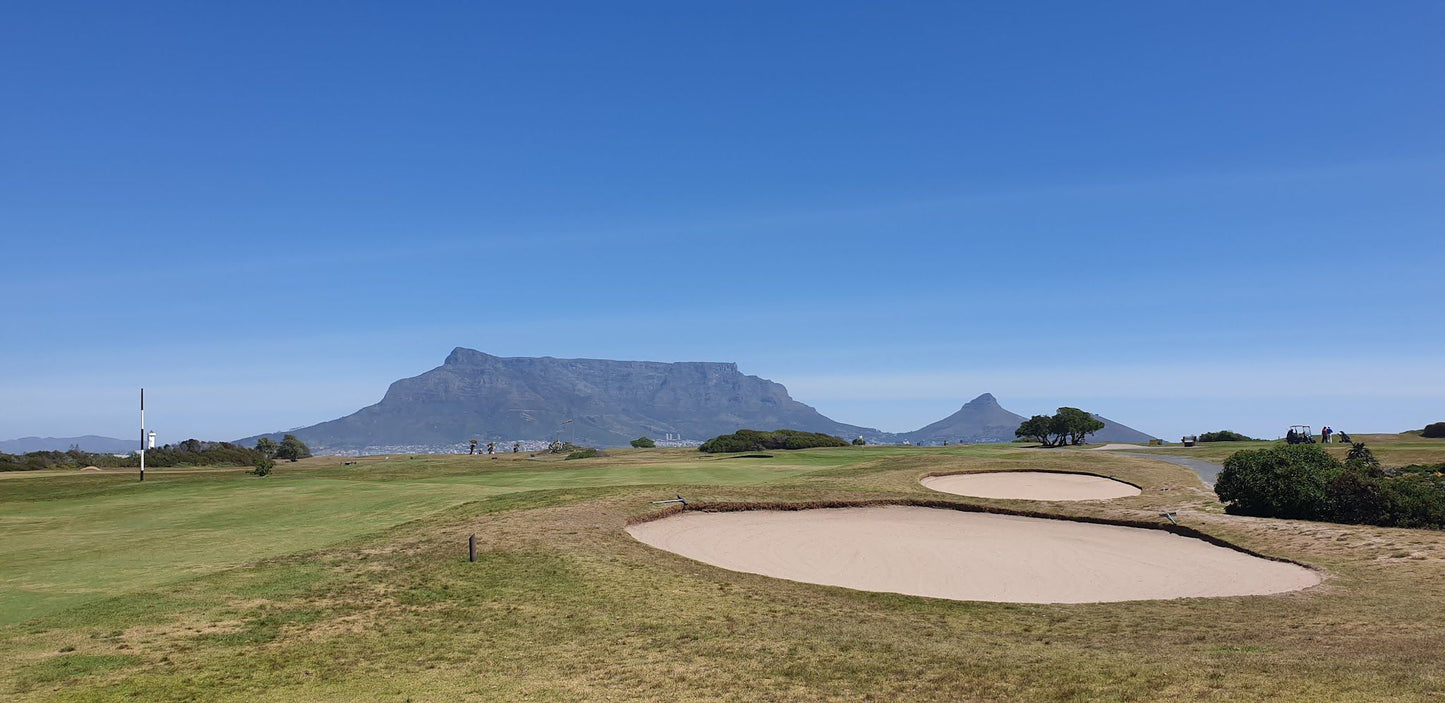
column 588, row 453
column 1303, row 482
column 753, row 440
column 192, row 452
column 1225, row 436
column 643, row 443
column 1434, row 430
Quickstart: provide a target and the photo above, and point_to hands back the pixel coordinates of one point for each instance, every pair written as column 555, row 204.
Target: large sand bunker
column 1031, row 485
column 969, row 556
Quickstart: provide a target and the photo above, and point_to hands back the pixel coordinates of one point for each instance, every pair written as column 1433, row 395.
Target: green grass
column 328, row 582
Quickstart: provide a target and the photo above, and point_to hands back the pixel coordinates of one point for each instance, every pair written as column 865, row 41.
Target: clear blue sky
column 1183, row 215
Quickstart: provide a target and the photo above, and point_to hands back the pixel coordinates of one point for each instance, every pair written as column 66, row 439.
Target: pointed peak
column 985, row 399
column 463, row 355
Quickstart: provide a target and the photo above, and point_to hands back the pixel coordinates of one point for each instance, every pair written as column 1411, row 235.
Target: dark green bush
column 1290, row 481
column 1302, row 481
column 588, row 453
column 859, row 441
column 753, row 440
column 643, row 443
column 1224, row 436
column 1434, row 430
column 263, row 467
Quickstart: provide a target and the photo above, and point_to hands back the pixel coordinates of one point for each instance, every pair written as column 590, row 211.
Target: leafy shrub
column 1302, row 481
column 859, row 441
column 1290, row 481
column 753, row 440
column 643, row 443
column 263, row 467
column 1434, row 430
column 588, row 453
column 1224, row 436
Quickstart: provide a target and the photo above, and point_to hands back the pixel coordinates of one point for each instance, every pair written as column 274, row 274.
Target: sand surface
column 1030, row 485
column 969, row 556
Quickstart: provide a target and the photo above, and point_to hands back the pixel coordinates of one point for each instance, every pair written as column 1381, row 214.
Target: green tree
column 1038, row 428
column 1073, row 425
column 1434, row 430
column 859, row 441
column 266, row 446
column 292, row 449
column 643, row 443
column 263, row 467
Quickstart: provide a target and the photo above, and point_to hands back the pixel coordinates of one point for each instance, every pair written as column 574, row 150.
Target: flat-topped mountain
column 473, row 395
column 984, row 420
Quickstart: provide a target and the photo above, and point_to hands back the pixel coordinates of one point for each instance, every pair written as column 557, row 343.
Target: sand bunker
column 969, row 556
column 1031, row 485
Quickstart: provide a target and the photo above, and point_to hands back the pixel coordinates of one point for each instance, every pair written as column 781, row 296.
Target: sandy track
column 969, row 556
column 1030, row 485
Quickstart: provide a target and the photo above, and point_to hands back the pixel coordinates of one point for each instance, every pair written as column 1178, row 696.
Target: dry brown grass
column 564, row 605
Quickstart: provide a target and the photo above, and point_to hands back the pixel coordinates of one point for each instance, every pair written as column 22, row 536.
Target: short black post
column 472, row 547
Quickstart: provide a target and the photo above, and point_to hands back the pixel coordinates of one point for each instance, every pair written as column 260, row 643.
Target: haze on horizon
column 1183, row 216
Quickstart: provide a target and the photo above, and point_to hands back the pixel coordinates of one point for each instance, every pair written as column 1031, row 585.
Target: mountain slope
column 89, row 443
column 979, row 420
column 984, row 420
column 477, row 395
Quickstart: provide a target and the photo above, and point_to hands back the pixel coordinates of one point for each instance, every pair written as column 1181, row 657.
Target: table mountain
column 473, row 395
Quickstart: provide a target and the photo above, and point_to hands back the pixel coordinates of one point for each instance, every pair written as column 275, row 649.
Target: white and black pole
column 142, row 434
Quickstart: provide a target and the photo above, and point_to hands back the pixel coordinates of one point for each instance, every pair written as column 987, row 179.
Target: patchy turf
column 337, row 583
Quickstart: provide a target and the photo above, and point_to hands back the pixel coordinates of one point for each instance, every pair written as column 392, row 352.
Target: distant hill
column 979, row 420
column 89, row 443
column 1116, row 432
column 984, row 420
column 477, row 395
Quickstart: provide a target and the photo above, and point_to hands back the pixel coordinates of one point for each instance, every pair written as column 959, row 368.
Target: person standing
column 1325, row 434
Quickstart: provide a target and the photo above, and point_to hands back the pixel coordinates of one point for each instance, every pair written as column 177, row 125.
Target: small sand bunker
column 1031, row 485
column 91, row 468
column 969, row 556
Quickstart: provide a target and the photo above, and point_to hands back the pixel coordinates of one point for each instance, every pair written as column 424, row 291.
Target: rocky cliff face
column 479, row 396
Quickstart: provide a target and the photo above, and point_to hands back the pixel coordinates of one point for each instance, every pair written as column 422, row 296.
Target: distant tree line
column 192, row 452
column 1434, row 430
column 753, row 440
column 1067, row 426
column 1304, row 482
column 1225, row 436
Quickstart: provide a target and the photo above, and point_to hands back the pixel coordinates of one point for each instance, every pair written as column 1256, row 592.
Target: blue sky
column 1182, row 215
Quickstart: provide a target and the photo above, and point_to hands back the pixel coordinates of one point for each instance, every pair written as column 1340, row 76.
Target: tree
column 643, row 443
column 263, row 467
column 266, row 446
column 1434, row 430
column 1038, row 428
column 1074, row 425
column 1224, row 436
column 859, row 441
column 292, row 449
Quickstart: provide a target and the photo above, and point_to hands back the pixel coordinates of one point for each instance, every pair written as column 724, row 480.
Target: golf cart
column 1299, row 434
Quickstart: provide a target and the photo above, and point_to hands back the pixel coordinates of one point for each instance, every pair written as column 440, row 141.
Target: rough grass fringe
column 731, row 507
